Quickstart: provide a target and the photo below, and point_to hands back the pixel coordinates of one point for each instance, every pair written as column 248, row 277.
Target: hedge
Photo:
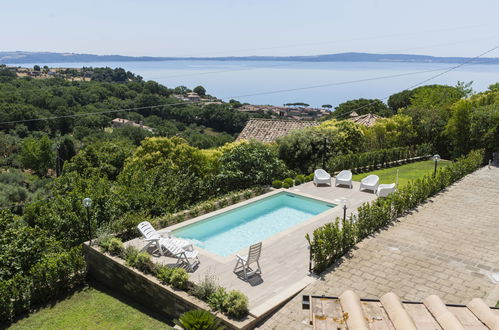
column 333, row 240
column 369, row 160
column 54, row 274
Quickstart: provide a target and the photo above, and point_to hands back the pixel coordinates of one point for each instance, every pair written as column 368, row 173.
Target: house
column 120, row 122
column 269, row 130
column 193, row 97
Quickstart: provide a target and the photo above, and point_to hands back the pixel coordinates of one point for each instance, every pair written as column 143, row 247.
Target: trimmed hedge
column 54, row 274
column 370, row 160
column 331, row 241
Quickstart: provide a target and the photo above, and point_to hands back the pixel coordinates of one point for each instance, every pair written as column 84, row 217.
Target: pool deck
column 285, row 257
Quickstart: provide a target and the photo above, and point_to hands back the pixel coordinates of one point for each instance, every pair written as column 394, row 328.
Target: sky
column 256, row 27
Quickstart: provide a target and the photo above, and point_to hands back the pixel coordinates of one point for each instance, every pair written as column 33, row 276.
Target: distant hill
column 19, row 57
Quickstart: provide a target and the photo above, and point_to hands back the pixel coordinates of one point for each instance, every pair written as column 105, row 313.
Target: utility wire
column 253, row 94
column 415, row 85
column 428, row 79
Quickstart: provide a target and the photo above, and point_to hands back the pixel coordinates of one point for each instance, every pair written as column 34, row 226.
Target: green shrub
column 310, row 177
column 194, row 212
column 198, row 319
column 206, row 287
column 166, row 220
column 207, row 207
column 217, row 298
column 277, row 184
column 236, row 304
column 130, row 255
column 234, row 198
column 247, row 194
column 223, row 202
column 103, row 242
column 299, row 179
column 144, row 263
column 286, row 185
column 126, row 225
column 289, row 182
column 163, row 273
column 258, row 190
column 115, row 247
column 179, row 278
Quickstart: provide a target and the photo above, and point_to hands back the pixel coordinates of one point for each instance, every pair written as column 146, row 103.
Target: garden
column 49, row 166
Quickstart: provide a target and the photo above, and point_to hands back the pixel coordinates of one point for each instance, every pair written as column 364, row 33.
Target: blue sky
column 257, row 27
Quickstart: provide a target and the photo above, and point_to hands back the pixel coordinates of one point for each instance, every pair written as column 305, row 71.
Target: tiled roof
column 366, row 120
column 349, row 312
column 269, row 130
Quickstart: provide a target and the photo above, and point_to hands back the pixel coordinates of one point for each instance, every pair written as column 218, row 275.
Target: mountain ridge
column 19, row 57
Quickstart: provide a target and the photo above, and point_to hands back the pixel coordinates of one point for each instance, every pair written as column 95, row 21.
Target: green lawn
column 93, row 308
column 406, row 172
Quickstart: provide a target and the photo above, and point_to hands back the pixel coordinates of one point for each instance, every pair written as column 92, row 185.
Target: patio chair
column 244, row 263
column 190, row 258
column 153, row 237
column 344, row 178
column 370, row 182
column 385, row 189
column 321, row 176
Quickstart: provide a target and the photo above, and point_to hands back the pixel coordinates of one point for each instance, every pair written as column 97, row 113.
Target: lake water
column 315, row 83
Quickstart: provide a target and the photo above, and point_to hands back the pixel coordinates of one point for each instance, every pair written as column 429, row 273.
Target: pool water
column 236, row 229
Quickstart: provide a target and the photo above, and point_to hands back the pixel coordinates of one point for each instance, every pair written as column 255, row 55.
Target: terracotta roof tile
column 269, row 130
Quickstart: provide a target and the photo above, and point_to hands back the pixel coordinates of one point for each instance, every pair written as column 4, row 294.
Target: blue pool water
column 236, row 229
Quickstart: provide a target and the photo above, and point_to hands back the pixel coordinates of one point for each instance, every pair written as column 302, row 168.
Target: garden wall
column 147, row 290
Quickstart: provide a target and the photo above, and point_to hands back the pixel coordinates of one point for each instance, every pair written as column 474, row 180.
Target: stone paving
column 449, row 246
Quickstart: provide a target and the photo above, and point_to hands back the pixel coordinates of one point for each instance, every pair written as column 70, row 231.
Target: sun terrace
column 284, row 257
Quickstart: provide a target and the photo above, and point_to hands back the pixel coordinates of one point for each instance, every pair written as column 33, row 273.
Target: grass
column 94, row 307
column 407, row 172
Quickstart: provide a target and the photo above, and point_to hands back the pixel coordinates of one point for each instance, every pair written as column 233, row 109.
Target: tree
column 396, row 131
column 36, row 68
column 248, row 164
column 327, row 106
column 37, row 154
column 400, row 100
column 199, row 90
column 361, row 107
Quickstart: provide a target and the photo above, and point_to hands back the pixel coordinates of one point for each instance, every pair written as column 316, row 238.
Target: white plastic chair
column 344, row 178
column 153, row 237
column 244, row 263
column 190, row 258
column 321, row 176
column 385, row 189
column 370, row 182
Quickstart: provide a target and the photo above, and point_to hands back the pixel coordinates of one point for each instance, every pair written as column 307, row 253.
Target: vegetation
column 406, row 173
column 57, row 148
column 331, row 241
column 198, row 319
column 92, row 308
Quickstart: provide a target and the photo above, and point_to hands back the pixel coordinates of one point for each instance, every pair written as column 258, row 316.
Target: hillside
column 18, row 57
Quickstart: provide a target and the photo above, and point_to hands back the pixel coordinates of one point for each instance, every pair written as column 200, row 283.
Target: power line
column 428, row 79
column 269, row 92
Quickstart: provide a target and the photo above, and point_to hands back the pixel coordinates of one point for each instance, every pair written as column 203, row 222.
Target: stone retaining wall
column 147, row 290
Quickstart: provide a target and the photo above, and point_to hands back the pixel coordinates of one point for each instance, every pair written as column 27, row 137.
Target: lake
column 315, row 83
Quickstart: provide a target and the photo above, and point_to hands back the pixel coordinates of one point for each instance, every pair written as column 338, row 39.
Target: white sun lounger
column 190, row 258
column 344, row 178
column 385, row 189
column 153, row 237
column 370, row 182
column 321, row 176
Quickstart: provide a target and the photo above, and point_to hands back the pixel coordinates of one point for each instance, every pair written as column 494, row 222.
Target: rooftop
column 389, row 312
column 368, row 119
column 269, row 130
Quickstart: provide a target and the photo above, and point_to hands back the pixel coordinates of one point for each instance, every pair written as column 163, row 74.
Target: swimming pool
column 231, row 231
